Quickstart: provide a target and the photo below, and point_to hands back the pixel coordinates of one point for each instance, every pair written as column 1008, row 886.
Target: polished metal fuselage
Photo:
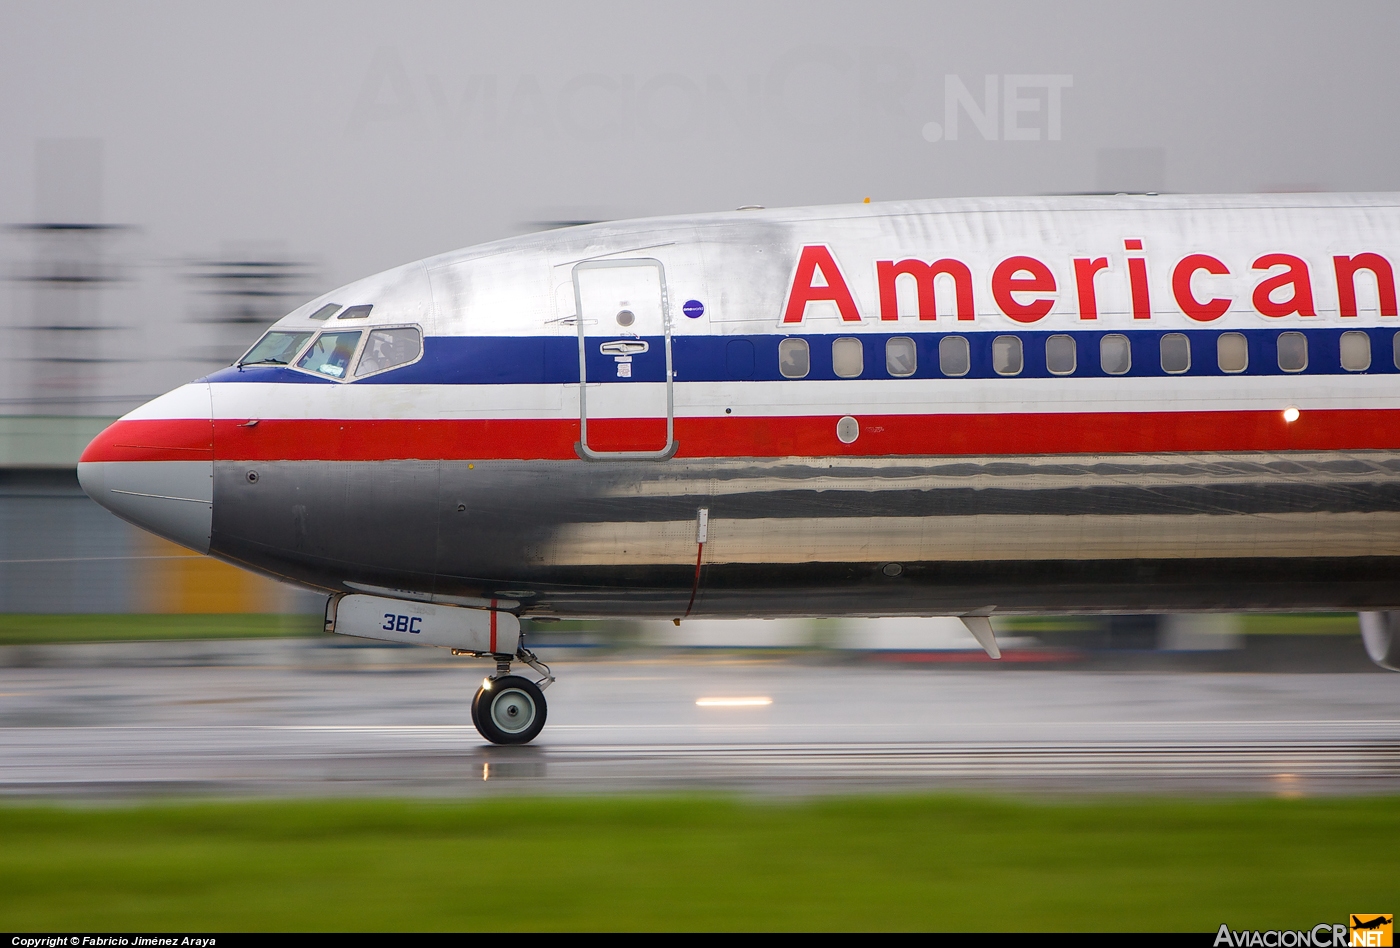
column 857, row 536
column 484, row 471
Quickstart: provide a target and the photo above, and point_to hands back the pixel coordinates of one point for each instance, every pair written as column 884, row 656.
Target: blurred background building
column 85, row 346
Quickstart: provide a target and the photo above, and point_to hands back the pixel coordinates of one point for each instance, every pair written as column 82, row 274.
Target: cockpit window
column 331, row 353
column 387, row 348
column 356, row 312
column 276, row 348
column 325, row 311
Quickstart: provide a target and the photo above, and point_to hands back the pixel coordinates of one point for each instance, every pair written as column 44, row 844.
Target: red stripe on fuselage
column 384, row 440
column 732, row 436
column 173, row 439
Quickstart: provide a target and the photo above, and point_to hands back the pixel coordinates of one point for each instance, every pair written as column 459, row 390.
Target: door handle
column 624, row 347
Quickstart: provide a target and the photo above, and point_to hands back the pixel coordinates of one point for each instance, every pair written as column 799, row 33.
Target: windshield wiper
column 264, row 362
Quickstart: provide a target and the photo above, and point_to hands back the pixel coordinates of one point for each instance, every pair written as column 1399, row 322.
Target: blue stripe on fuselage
column 526, row 360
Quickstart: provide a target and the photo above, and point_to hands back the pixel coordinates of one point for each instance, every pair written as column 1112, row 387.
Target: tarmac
column 304, row 718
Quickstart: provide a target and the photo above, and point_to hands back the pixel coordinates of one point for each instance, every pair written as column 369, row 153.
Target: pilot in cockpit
column 387, row 348
column 339, row 359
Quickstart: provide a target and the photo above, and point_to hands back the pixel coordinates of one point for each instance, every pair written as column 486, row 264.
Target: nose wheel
column 509, row 710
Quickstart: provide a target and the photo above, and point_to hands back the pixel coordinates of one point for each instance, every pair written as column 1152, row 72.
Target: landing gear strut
column 509, row 709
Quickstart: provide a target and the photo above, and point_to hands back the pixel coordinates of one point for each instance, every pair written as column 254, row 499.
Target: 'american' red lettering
column 814, row 258
column 1346, row 282
column 1084, row 272
column 818, row 279
column 1137, row 281
column 887, row 272
column 1301, row 302
column 1181, row 287
column 1005, row 282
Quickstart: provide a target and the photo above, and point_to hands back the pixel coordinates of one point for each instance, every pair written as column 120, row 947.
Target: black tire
column 509, row 710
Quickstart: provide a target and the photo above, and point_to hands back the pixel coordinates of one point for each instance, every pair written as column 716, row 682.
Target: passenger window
column 331, row 353
column 1395, row 349
column 953, row 357
column 901, row 357
column 1356, row 351
column 794, row 358
column 387, row 348
column 1060, row 354
column 1292, row 351
column 1115, row 354
column 1006, row 355
column 1176, row 353
column 276, row 348
column 356, row 312
column 325, row 311
column 1231, row 352
column 847, row 357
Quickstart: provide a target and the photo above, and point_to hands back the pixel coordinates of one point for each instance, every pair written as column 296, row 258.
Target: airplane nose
column 154, row 467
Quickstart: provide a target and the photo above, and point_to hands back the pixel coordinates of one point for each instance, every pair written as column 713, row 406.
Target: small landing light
column 1290, row 414
column 732, row 702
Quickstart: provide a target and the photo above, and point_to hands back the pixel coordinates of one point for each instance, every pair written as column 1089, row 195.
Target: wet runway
column 278, row 718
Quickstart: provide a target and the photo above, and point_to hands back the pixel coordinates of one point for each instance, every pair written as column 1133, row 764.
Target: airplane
column 1376, row 922
column 970, row 407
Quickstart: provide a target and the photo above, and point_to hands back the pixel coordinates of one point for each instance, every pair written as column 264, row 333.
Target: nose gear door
column 626, row 401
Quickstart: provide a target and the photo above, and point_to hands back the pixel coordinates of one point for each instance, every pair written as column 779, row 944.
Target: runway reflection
column 284, row 718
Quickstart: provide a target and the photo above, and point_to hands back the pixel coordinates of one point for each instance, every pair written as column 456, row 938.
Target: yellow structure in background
column 177, row 580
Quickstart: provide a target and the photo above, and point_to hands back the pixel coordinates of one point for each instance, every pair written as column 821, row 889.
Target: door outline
column 582, row 448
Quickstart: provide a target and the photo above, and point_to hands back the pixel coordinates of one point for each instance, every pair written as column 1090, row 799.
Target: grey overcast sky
column 362, row 135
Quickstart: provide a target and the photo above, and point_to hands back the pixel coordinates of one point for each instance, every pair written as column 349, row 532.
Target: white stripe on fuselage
column 245, row 400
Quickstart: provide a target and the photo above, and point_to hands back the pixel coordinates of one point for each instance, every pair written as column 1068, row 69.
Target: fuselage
column 1131, row 403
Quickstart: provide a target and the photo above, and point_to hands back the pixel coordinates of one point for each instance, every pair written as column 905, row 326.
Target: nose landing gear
column 509, row 709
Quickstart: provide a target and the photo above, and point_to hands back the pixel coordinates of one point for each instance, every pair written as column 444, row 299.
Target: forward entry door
column 624, row 332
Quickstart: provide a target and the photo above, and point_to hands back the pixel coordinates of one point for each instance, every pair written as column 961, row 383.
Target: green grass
column 1251, row 623
column 929, row 862
column 22, row 629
